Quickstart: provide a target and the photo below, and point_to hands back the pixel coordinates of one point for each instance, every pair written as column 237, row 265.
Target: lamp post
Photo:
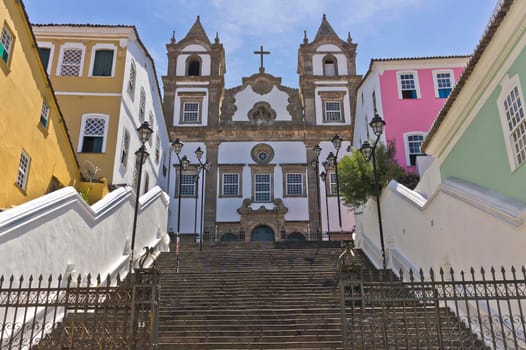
column 145, row 132
column 368, row 152
column 183, row 165
column 202, row 167
column 316, row 165
column 332, row 160
column 323, row 177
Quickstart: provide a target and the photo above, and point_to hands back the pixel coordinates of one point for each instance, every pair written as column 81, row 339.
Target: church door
column 262, row 233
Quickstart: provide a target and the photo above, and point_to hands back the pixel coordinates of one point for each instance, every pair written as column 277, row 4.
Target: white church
column 272, row 150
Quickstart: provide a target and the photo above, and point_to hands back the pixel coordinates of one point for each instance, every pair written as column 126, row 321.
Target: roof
column 197, row 32
column 489, row 33
column 325, row 30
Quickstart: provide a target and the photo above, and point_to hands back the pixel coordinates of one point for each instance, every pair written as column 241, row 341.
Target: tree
column 356, row 174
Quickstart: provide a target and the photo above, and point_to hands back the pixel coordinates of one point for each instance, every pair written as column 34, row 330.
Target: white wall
column 245, row 100
column 48, row 234
column 461, row 226
column 319, row 105
column 317, row 59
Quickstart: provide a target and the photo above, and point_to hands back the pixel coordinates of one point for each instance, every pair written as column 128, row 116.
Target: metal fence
column 474, row 310
column 79, row 313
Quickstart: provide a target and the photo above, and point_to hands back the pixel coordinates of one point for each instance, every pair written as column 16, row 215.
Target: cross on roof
column 261, row 53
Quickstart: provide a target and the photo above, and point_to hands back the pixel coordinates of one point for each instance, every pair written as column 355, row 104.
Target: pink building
column 407, row 93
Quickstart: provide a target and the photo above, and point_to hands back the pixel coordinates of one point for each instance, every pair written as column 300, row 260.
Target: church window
column 150, row 122
column 333, row 111
column 413, row 141
column 23, row 170
column 142, row 104
column 230, row 180
column 131, row 79
column 333, row 186
column 329, row 66
column 190, row 112
column 294, row 184
column 194, row 66
column 262, row 188
column 71, row 60
column 188, row 182
column 125, row 148
column 44, row 115
column 157, row 149
column 146, row 183
column 6, row 44
column 408, row 87
column 443, row 81
column 513, row 120
column 332, row 106
column 230, row 185
column 103, row 63
column 93, row 133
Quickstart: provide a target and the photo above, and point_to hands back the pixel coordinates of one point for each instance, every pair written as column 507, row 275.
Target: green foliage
column 357, row 178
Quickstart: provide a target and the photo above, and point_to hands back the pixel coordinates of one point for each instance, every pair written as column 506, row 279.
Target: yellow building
column 106, row 86
column 36, row 153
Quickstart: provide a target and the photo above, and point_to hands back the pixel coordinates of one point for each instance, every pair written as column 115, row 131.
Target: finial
column 305, row 40
column 349, row 39
column 216, row 40
column 173, row 37
column 198, row 18
column 324, row 16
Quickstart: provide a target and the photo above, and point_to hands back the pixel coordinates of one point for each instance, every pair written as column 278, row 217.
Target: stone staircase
column 250, row 296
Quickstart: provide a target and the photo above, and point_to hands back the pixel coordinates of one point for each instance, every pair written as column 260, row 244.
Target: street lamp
column 145, row 132
column 332, row 160
column 177, row 146
column 323, row 177
column 368, row 152
column 202, row 167
column 316, row 165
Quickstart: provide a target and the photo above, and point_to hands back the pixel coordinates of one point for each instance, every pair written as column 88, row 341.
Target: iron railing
column 79, row 313
column 475, row 310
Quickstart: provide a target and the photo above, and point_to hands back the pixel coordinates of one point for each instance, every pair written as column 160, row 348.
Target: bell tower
column 328, row 80
column 194, row 82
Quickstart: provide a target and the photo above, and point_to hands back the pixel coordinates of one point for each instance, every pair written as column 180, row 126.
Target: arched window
column 329, row 66
column 193, row 66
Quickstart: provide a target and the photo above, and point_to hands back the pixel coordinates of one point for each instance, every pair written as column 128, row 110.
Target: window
column 146, row 183
column 333, row 186
column 142, row 105
column 332, row 105
column 194, row 67
column 294, row 184
column 131, row 79
column 188, row 185
column 230, row 180
column 407, row 85
column 71, row 62
column 190, row 112
column 44, row 53
column 374, row 102
column 333, row 111
column 413, row 141
column 23, row 170
column 157, row 149
column 443, row 81
column 230, row 186
column 44, row 115
column 262, row 188
column 125, row 148
column 103, row 63
column 513, row 121
column 6, row 44
column 329, row 66
column 93, row 134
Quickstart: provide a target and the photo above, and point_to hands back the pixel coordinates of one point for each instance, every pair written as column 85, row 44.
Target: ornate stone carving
column 262, row 86
column 246, row 209
column 294, row 107
column 229, row 106
column 261, row 114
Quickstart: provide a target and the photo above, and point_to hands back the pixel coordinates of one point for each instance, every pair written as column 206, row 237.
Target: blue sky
column 381, row 28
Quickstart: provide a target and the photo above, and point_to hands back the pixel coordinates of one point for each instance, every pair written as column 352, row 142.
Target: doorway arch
column 262, row 233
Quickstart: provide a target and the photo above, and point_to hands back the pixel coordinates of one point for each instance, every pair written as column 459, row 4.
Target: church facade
column 267, row 143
